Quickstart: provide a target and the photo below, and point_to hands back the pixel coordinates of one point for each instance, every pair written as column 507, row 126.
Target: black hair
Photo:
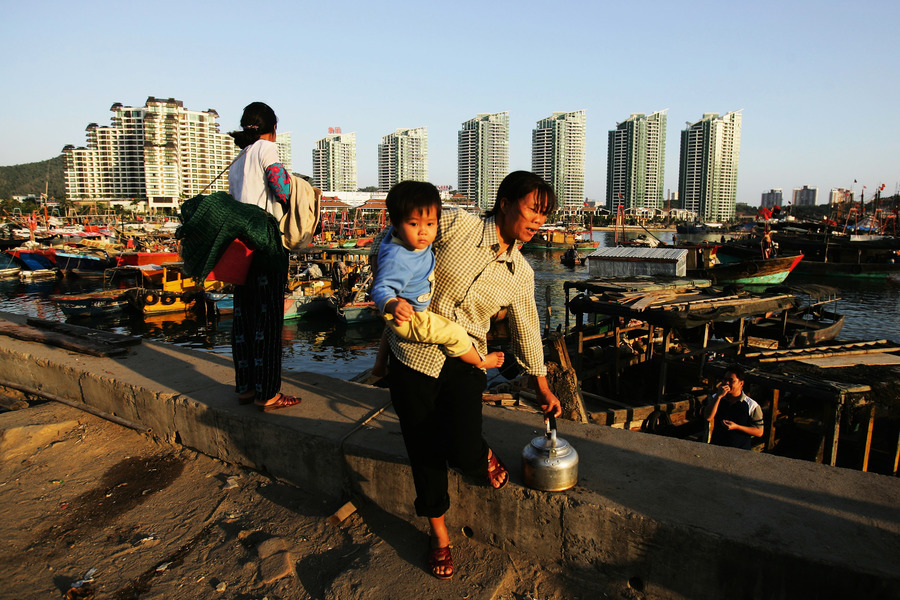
column 519, row 184
column 737, row 370
column 258, row 119
column 407, row 196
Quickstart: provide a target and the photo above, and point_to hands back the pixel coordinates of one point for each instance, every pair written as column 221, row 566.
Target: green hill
column 31, row 178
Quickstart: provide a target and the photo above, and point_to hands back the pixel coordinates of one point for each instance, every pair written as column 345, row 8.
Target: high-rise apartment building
column 773, row 197
column 708, row 170
column 334, row 162
column 636, row 164
column 557, row 155
column 805, row 196
column 839, row 196
column 161, row 152
column 403, row 156
column 483, row 151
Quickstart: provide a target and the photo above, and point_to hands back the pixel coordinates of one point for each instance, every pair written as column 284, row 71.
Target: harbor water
column 327, row 346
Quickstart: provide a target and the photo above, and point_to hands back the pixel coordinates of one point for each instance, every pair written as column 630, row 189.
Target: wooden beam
column 869, row 412
column 896, row 455
column 770, row 421
column 661, row 390
column 832, row 432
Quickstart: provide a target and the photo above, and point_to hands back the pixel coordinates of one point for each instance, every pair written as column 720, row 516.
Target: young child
column 404, row 277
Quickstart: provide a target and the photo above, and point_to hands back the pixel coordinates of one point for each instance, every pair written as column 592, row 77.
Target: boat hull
column 95, row 304
column 88, row 263
column 297, row 306
column 768, row 271
column 358, row 312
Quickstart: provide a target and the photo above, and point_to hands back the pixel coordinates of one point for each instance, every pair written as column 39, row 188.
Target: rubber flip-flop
column 283, row 402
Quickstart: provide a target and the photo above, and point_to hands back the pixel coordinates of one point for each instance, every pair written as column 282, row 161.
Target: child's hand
column 402, row 310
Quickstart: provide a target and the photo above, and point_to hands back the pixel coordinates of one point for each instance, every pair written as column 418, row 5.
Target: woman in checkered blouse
column 479, row 271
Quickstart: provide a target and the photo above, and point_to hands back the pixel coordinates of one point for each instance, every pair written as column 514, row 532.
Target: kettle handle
column 551, row 430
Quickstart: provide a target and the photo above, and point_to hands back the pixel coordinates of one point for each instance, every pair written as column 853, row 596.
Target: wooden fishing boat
column 811, row 322
column 219, row 303
column 34, row 274
column 93, row 304
column 751, row 271
column 35, row 259
column 572, row 257
column 352, row 313
column 146, row 258
column 307, row 298
column 842, row 255
column 84, row 263
column 9, row 267
column 177, row 293
column 559, row 238
column 354, row 305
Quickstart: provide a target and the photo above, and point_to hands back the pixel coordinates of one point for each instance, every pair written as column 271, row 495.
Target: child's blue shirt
column 403, row 273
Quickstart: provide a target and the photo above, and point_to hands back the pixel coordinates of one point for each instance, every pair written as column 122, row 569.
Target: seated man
column 735, row 416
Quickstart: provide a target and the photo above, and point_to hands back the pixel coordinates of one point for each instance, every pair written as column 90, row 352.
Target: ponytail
column 245, row 137
column 258, row 119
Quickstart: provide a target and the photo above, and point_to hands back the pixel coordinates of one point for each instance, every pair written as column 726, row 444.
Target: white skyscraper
column 557, row 155
column 403, row 156
column 334, row 161
column 710, row 150
column 636, row 162
column 161, row 152
column 483, row 157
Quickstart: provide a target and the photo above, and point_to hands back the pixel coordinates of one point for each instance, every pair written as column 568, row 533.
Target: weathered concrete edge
column 578, row 527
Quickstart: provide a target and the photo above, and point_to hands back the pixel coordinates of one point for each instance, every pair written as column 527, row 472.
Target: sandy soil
column 92, row 509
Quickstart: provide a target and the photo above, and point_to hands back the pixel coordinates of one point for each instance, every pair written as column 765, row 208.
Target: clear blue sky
column 817, row 81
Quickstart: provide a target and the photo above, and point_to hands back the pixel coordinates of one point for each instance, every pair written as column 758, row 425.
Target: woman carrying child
column 478, row 271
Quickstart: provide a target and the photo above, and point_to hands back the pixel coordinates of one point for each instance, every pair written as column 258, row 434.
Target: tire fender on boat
column 168, row 300
column 150, row 298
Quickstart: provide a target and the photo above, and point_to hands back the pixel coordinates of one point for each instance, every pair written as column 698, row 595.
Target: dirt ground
column 91, row 509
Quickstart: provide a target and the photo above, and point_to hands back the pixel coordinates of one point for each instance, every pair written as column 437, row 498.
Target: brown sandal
column 496, row 470
column 283, row 401
column 440, row 558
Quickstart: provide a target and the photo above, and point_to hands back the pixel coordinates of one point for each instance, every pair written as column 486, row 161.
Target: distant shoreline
column 635, row 228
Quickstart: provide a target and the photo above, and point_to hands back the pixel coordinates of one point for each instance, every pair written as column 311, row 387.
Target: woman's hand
column 546, row 398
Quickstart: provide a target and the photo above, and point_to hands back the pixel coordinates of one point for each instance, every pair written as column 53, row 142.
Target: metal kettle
column 550, row 463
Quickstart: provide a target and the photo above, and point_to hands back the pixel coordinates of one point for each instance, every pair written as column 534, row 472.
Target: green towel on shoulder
column 211, row 223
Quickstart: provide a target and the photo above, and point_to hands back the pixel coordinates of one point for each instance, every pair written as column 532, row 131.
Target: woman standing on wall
column 257, row 177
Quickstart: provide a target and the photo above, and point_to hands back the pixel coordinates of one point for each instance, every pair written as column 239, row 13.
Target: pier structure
column 667, row 517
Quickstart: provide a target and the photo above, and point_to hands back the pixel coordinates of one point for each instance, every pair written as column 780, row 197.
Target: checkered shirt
column 472, row 284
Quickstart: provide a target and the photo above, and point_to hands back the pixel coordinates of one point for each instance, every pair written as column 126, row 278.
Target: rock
column 270, row 547
column 276, row 566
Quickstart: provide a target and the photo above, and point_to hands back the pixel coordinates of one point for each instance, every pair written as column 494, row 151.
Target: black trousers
column 256, row 332
column 441, row 424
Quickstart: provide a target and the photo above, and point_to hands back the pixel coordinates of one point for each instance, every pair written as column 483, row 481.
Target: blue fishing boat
column 84, row 262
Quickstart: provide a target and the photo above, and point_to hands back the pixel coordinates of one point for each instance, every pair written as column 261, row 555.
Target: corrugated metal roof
column 640, row 252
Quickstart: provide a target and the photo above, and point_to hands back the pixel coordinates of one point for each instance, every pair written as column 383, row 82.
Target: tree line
column 34, row 178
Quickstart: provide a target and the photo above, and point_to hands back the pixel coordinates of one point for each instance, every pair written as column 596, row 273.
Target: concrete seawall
column 673, row 518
